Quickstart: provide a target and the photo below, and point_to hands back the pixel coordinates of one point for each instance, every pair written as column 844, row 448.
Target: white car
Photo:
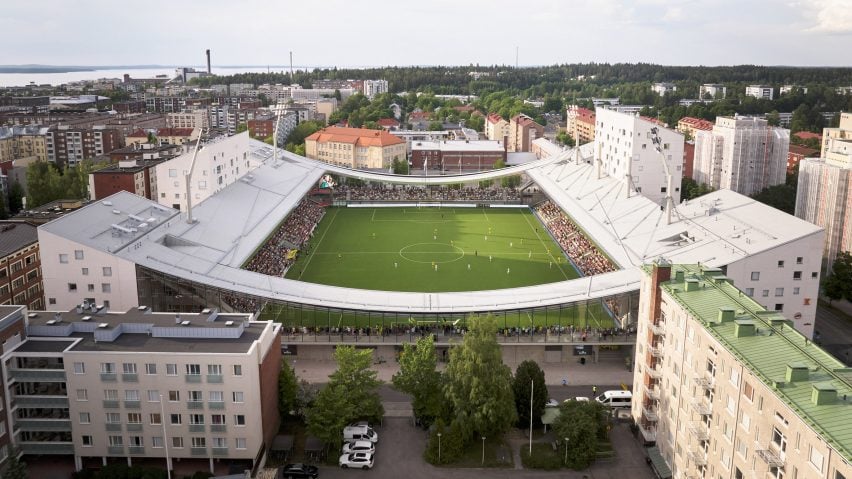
column 359, row 446
column 358, row 460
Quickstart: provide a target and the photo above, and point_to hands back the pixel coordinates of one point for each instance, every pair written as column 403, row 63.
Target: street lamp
column 483, row 450
column 439, row 448
column 566, row 451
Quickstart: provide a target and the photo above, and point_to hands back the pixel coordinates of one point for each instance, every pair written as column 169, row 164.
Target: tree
column 329, row 414
column 355, row 375
column 838, row 284
column 584, row 424
column 436, row 126
column 241, row 128
column 774, row 118
column 419, row 377
column 43, row 183
column 16, row 198
column 152, row 138
column 529, row 373
column 400, row 167
column 782, row 197
column 15, row 469
column 690, row 188
column 566, row 139
column 478, row 385
column 288, row 388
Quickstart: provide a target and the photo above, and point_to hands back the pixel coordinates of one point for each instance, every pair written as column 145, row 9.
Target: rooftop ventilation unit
column 141, row 308
column 32, row 315
column 184, row 323
column 116, row 212
column 86, row 318
column 103, row 325
column 107, row 203
column 135, row 218
column 229, row 323
column 205, row 311
column 51, row 322
column 121, row 229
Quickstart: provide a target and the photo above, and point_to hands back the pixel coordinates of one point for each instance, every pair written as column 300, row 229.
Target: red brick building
column 129, row 106
column 523, row 130
column 457, row 156
column 261, row 127
column 688, row 158
column 798, row 153
column 135, row 176
column 20, row 265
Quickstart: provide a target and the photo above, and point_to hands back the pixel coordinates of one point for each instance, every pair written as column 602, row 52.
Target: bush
column 543, row 457
column 452, row 444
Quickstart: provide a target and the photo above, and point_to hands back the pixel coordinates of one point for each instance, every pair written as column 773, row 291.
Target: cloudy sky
column 427, row 32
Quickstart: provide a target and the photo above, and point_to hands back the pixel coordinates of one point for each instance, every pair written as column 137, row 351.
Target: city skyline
column 437, row 32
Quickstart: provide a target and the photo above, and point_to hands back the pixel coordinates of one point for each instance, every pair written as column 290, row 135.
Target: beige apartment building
column 523, row 131
column 355, row 147
column 23, row 143
column 189, row 119
column 725, row 389
column 496, row 128
column 99, row 385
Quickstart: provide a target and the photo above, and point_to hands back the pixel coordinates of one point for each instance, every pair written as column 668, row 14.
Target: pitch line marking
column 545, row 246
column 305, row 267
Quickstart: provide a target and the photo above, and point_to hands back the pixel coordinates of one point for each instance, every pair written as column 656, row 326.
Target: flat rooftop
column 767, row 353
column 36, row 345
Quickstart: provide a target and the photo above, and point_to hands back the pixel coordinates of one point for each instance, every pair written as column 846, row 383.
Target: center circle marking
column 430, row 251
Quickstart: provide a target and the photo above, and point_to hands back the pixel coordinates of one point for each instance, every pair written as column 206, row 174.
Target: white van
column 616, row 399
column 360, row 433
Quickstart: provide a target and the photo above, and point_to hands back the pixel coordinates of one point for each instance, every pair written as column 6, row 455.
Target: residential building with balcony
column 20, row 265
column 12, row 332
column 761, row 92
column 580, row 124
column 724, row 388
column 374, row 87
column 67, row 146
column 496, row 128
column 96, row 385
column 712, row 91
column 523, row 130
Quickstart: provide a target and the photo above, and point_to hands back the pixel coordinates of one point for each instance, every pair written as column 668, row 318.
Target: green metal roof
column 774, row 345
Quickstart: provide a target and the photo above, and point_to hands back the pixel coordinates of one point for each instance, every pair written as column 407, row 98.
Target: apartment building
column 136, row 176
column 761, row 92
column 724, row 388
column 23, row 143
column 523, row 130
column 580, row 124
column 189, row 119
column 67, row 146
column 96, row 385
column 496, row 128
column 355, row 147
column 689, row 125
column 712, row 91
column 743, row 154
column 625, row 150
column 792, row 88
column 219, row 163
column 20, row 265
column 374, row 87
column 663, row 87
column 12, row 331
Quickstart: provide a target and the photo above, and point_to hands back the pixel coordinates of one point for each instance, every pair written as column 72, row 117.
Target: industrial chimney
column 208, row 61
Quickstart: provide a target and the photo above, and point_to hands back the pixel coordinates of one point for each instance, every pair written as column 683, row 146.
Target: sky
column 427, row 32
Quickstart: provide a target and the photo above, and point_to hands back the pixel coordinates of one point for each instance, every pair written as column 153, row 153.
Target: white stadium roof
column 233, row 223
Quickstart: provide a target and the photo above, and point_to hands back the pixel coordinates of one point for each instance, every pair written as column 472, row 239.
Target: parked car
column 551, row 403
column 362, row 460
column 359, row 446
column 360, row 424
column 298, row 471
column 360, row 433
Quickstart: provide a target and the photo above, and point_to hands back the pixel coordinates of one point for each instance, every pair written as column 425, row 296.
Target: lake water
column 22, row 79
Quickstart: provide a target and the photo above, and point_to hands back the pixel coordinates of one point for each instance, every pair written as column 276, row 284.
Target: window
column 797, row 275
column 814, row 275
column 111, row 394
column 216, row 396
column 175, row 419
column 196, row 418
column 90, row 288
column 217, row 419
column 153, row 395
column 239, row 420
column 128, row 368
column 171, row 369
column 85, row 271
column 199, row 442
column 748, row 391
column 795, row 291
column 106, row 288
column 107, row 271
column 113, row 418
column 131, row 395
column 79, row 368
column 85, row 418
column 240, row 443
column 177, row 442
column 196, row 396
column 108, row 368
column 88, row 441
column 82, row 395
column 172, row 173
column 155, row 418
column 816, row 459
column 193, row 369
column 755, row 275
column 174, row 396
column 238, row 396
column 157, row 442
column 136, row 441
column 72, row 287
column 238, row 370
column 779, row 440
column 78, row 254
column 63, row 258
column 781, row 264
column 134, row 418
column 214, row 369
column 745, row 421
column 735, row 376
column 779, row 306
column 779, row 292
column 150, row 368
column 799, row 260
column 749, row 292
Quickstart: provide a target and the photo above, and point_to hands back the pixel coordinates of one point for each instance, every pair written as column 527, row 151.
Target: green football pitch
column 431, row 250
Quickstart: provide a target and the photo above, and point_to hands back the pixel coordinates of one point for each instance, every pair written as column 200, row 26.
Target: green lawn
column 398, row 249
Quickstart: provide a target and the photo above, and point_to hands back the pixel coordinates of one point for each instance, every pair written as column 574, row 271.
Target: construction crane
column 658, row 145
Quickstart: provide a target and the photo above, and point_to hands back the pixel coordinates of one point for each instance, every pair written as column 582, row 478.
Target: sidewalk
column 610, row 371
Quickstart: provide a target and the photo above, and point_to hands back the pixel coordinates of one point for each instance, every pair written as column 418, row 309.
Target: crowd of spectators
column 573, row 333
column 585, row 255
column 419, row 193
column 275, row 256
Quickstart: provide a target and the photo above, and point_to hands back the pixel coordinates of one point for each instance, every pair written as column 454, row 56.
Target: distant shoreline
column 86, row 68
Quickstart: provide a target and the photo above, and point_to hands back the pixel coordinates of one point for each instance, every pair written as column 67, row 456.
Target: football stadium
column 336, row 254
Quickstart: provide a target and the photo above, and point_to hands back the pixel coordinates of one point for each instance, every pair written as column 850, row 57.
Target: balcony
column 34, row 424
column 196, row 428
column 769, row 456
column 111, row 404
column 193, row 378
column 134, row 426
column 132, row 404
column 136, row 450
column 653, row 392
column 214, row 378
column 115, row 450
column 195, row 404
column 220, row 451
column 130, row 377
column 109, row 377
column 216, row 404
column 198, row 451
column 113, row 426
column 658, row 328
column 699, row 431
column 218, row 428
column 44, row 448
column 650, row 412
column 698, row 457
column 649, row 434
column 703, row 382
column 655, row 373
column 701, row 407
column 41, row 375
column 40, row 401
column 655, row 351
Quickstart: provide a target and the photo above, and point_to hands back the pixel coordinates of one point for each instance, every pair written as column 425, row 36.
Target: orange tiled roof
column 807, row 134
column 494, row 118
column 174, row 132
column 140, row 133
column 697, row 123
column 356, row 136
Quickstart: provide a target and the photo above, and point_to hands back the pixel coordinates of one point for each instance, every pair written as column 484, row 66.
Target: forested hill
column 553, row 79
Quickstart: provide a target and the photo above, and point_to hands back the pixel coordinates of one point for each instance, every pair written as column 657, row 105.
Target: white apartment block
column 375, row 87
column 624, row 148
column 95, row 385
column 663, row 88
column 220, row 162
column 189, row 119
column 761, row 92
column 743, row 154
column 724, row 388
column 790, row 88
column 712, row 91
